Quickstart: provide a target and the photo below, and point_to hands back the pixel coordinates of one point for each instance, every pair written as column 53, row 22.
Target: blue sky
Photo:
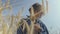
column 51, row 19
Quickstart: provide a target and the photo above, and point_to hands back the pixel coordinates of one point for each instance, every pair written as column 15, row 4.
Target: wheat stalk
column 30, row 29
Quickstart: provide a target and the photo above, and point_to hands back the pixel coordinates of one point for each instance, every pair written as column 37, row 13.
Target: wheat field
column 14, row 21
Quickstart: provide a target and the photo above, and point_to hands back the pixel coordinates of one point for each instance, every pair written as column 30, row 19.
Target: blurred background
column 51, row 19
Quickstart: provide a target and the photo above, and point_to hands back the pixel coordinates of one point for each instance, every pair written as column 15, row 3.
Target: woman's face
column 38, row 14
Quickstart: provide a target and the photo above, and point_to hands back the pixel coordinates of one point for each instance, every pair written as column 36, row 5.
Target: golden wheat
column 16, row 24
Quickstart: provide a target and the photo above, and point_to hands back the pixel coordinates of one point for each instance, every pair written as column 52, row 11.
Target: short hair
column 36, row 7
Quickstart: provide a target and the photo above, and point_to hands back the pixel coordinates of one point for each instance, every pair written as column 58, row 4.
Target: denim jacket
column 44, row 29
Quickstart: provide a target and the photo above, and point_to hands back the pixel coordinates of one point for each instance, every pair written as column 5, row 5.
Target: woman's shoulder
column 44, row 28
